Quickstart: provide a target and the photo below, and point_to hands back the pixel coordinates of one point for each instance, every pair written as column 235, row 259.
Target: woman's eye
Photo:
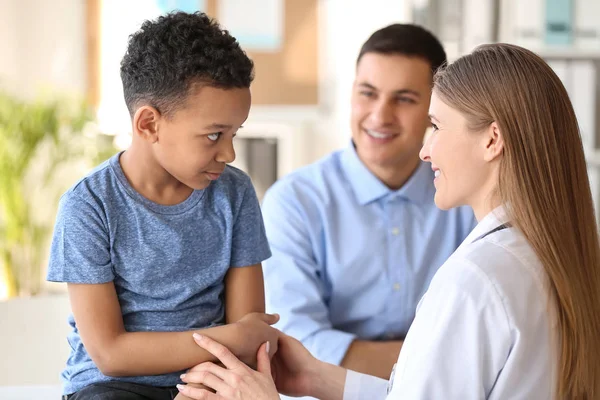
column 434, row 126
column 214, row 136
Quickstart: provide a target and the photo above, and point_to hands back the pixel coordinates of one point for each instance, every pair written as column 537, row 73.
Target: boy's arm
column 117, row 352
column 244, row 292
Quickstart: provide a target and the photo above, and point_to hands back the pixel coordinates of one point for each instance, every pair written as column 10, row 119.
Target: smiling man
column 356, row 237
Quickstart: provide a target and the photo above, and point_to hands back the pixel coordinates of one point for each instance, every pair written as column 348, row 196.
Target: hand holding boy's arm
column 117, row 352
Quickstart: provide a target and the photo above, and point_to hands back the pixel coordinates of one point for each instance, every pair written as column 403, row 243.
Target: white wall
column 43, row 45
column 9, row 67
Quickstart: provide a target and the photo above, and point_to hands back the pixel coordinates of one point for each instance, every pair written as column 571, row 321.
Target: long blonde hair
column 544, row 186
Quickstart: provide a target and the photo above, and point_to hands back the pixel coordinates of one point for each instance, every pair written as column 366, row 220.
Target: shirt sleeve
column 459, row 341
column 80, row 250
column 249, row 242
column 360, row 387
column 294, row 283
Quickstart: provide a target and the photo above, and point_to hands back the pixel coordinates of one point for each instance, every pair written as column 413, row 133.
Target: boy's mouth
column 213, row 176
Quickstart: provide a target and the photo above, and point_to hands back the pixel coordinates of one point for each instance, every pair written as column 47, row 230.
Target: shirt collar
column 491, row 221
column 367, row 187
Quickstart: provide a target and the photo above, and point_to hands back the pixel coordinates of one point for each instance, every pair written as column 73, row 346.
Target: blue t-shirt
column 167, row 263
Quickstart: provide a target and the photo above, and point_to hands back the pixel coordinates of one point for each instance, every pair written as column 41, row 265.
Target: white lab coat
column 483, row 330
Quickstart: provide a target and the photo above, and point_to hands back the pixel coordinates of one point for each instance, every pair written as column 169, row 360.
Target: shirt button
column 395, row 231
column 396, row 286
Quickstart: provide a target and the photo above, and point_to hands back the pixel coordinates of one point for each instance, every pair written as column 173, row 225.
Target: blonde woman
column 514, row 313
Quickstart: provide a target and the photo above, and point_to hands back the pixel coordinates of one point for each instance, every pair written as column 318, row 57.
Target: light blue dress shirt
column 352, row 258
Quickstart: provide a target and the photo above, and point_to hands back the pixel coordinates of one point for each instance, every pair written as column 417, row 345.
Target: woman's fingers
column 213, row 368
column 219, row 351
column 198, row 394
column 208, row 379
column 263, row 359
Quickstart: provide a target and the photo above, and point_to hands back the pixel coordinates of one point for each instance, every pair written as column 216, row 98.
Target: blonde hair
column 544, row 186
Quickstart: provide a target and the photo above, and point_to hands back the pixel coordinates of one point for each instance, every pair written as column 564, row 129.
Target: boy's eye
column 214, row 136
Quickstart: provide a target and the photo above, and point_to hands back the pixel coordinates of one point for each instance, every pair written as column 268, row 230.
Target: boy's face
column 196, row 142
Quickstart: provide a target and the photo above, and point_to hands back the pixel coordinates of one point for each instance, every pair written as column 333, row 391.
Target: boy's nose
column 226, row 152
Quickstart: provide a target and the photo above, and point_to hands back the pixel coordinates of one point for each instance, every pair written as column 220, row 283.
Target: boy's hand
column 254, row 330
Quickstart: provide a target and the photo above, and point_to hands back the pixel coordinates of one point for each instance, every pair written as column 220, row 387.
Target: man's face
column 390, row 102
column 196, row 143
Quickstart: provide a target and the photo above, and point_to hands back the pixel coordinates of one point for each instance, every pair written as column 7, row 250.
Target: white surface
column 33, row 340
column 30, row 392
column 477, row 23
column 527, row 23
column 123, row 18
column 559, row 53
column 43, row 46
column 582, row 91
column 587, row 24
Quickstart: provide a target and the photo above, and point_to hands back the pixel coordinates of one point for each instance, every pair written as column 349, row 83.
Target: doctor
column 515, row 311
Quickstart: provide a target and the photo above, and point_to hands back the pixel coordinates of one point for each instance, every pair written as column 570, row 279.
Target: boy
column 150, row 242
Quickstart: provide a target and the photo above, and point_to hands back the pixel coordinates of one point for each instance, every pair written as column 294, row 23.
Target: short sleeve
column 249, row 242
column 80, row 251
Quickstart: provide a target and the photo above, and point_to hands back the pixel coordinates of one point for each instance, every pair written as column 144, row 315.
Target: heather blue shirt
column 167, row 263
column 352, row 258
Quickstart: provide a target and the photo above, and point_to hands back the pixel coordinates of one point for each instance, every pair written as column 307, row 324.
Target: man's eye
column 214, row 136
column 406, row 100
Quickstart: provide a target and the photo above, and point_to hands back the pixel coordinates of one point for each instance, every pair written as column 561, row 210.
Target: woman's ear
column 494, row 142
column 145, row 123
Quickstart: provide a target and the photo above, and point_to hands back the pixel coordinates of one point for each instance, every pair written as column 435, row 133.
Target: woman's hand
column 254, row 329
column 294, row 370
column 236, row 381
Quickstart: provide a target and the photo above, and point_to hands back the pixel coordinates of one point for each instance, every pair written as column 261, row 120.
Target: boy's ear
column 145, row 123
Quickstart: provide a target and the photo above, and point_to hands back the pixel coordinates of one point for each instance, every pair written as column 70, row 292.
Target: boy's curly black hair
column 168, row 55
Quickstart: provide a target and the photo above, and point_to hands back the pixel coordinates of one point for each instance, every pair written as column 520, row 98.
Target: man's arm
column 296, row 287
column 117, row 352
column 372, row 358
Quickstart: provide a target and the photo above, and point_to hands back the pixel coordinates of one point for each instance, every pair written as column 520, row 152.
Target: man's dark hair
column 170, row 54
column 406, row 39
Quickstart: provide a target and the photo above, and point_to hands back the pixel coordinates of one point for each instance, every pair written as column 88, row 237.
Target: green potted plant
column 38, row 140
